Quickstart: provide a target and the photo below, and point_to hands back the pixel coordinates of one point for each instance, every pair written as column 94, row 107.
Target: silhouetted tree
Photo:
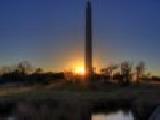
column 108, row 72
column 23, row 73
column 39, row 70
column 24, row 67
column 140, row 70
column 126, row 68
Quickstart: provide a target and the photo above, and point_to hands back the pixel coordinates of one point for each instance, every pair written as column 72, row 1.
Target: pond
column 115, row 115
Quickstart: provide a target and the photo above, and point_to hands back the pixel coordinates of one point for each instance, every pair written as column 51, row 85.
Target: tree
column 108, row 72
column 140, row 70
column 24, row 67
column 126, row 68
column 39, row 70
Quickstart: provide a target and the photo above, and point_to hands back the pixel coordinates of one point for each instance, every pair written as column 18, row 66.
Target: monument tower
column 88, row 42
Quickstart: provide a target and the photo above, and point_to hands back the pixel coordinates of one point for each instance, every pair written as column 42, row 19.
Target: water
column 117, row 115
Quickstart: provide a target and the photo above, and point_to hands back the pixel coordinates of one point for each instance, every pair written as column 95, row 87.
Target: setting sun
column 76, row 66
column 79, row 70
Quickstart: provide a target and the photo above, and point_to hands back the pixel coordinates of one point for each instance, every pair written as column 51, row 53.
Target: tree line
column 23, row 72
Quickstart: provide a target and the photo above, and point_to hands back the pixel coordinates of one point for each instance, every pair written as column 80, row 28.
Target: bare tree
column 39, row 70
column 140, row 70
column 109, row 70
column 24, row 67
column 126, row 68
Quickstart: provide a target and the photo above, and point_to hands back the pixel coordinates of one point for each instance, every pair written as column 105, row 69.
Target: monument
column 88, row 42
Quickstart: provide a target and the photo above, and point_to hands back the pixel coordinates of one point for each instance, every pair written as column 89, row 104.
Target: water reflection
column 118, row 115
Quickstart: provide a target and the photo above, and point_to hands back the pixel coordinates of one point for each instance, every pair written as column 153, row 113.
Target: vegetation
column 23, row 73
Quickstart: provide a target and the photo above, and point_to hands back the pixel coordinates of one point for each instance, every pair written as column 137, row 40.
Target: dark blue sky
column 50, row 33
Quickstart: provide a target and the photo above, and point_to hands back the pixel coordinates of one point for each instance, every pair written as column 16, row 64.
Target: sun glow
column 76, row 66
column 79, row 70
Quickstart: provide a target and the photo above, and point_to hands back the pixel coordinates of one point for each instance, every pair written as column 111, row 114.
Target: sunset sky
column 50, row 33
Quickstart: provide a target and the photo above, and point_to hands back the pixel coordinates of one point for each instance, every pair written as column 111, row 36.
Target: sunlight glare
column 79, row 70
